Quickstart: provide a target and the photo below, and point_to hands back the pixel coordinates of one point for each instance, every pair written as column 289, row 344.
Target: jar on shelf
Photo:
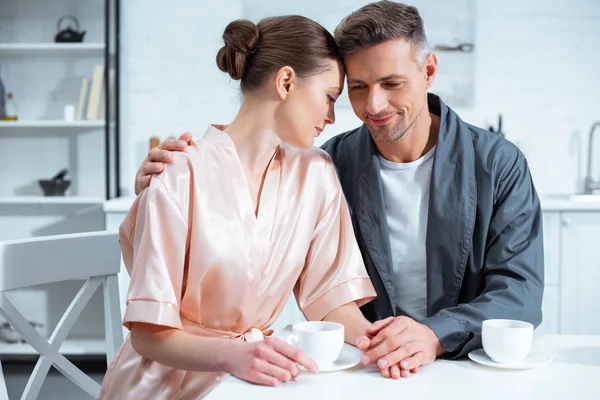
column 10, row 108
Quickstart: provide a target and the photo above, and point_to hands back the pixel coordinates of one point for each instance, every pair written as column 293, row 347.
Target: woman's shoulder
column 314, row 164
column 313, row 158
column 177, row 174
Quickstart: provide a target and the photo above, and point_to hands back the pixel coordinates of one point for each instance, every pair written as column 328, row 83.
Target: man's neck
column 421, row 138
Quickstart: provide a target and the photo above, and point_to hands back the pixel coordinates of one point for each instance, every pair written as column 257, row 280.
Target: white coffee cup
column 322, row 341
column 506, row 341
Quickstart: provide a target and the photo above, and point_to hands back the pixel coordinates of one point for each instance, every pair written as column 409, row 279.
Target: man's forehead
column 375, row 77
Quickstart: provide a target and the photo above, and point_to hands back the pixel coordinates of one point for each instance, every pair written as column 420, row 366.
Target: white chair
column 94, row 257
column 3, row 391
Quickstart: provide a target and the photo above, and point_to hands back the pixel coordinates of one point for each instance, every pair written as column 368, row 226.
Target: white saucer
column 349, row 357
column 531, row 361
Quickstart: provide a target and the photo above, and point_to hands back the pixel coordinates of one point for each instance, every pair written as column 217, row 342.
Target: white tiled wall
column 537, row 62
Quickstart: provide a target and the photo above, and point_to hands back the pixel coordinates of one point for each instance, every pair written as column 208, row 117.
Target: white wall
column 537, row 63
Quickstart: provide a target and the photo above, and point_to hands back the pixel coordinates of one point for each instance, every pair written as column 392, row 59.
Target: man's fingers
column 385, row 372
column 379, row 325
column 185, row 137
column 151, row 168
column 398, row 330
column 142, row 183
column 414, row 370
column 160, row 155
column 383, row 350
column 294, row 354
column 399, row 355
column 170, row 144
column 363, row 342
column 414, row 361
column 395, row 371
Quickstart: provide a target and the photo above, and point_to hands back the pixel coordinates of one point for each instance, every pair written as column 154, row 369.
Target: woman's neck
column 253, row 133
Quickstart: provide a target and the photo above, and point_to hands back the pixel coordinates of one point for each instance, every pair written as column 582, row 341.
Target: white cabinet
column 550, row 304
column 580, row 273
column 550, row 311
column 571, row 303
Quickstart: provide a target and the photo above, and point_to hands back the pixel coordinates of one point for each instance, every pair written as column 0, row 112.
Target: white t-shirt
column 406, row 200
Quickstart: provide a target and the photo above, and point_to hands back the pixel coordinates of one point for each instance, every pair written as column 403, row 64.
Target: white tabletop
column 574, row 373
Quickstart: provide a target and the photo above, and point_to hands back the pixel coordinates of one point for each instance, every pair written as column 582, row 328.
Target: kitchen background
column 535, row 62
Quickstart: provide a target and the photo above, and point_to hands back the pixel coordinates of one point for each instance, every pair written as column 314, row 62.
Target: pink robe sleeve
column 154, row 240
column 334, row 273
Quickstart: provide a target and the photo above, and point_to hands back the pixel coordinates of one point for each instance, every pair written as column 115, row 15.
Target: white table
column 573, row 374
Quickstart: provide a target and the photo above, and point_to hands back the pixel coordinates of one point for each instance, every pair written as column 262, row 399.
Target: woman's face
column 309, row 107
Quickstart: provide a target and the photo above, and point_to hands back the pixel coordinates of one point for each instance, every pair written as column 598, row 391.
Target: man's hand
column 399, row 346
column 157, row 157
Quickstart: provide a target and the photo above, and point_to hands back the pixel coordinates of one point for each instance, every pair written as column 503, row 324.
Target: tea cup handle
column 292, row 340
column 289, row 338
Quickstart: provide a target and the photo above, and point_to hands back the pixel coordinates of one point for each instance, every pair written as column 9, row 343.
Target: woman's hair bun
column 241, row 39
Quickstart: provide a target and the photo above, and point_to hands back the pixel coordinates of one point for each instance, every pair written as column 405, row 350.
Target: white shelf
column 49, row 123
column 50, row 200
column 50, row 48
column 70, row 347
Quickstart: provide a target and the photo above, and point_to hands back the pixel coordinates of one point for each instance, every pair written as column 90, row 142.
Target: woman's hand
column 268, row 362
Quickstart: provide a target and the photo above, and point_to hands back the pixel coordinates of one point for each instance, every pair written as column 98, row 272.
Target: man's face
column 388, row 88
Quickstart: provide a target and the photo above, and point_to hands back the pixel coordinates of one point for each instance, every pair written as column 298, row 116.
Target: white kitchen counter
column 573, row 373
column 549, row 203
column 566, row 203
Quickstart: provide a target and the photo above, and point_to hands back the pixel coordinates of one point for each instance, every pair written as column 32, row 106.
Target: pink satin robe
column 201, row 261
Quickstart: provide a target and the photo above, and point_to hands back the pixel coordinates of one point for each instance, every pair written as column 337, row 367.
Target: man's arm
column 514, row 266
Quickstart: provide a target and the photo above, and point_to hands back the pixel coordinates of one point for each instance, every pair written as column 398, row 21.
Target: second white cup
column 506, row 341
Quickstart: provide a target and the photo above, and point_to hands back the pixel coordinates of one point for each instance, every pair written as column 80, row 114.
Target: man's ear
column 430, row 69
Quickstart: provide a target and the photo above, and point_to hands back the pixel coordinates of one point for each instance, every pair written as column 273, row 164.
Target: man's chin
column 384, row 133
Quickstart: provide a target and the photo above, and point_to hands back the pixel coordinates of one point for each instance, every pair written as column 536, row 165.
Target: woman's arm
column 355, row 324
column 268, row 362
column 178, row 349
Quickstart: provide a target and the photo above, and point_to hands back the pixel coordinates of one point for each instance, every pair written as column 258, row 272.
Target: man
column 446, row 215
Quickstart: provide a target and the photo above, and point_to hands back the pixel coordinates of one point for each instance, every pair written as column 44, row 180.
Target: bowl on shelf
column 57, row 186
column 54, row 188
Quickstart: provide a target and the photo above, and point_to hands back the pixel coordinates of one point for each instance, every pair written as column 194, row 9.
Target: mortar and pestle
column 57, row 186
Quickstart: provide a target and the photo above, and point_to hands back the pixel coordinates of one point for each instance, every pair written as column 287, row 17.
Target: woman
column 220, row 239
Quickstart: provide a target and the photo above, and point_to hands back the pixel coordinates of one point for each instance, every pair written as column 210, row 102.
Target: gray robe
column 484, row 230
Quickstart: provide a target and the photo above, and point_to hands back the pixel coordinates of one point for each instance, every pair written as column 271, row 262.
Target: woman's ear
column 285, row 82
